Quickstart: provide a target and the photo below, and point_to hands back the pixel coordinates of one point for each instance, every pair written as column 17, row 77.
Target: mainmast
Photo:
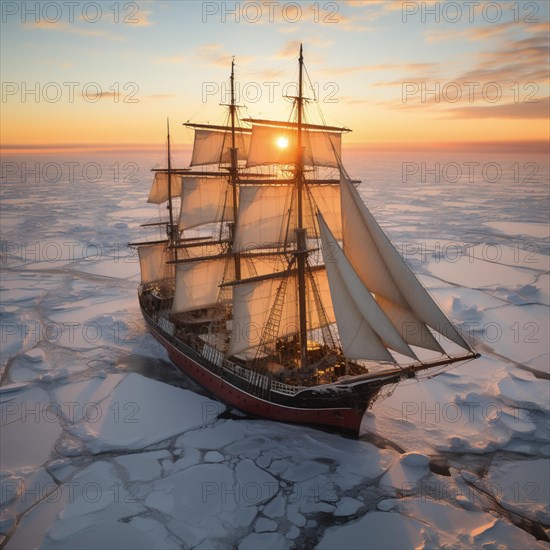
column 233, row 169
column 301, row 251
column 171, row 226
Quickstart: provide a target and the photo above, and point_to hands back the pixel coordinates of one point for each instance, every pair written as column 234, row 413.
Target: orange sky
column 392, row 76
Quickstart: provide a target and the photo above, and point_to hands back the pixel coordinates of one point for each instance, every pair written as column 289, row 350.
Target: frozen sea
column 104, row 444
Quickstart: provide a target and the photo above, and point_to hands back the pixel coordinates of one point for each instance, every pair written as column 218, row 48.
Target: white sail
column 204, row 250
column 152, row 262
column 197, row 284
column 205, row 200
column 268, row 213
column 325, row 199
column 212, row 146
column 411, row 328
column 271, row 145
column 356, row 307
column 264, row 213
column 159, row 189
column 257, row 266
column 383, row 271
column 253, row 302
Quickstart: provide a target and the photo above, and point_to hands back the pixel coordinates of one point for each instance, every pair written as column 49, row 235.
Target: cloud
column 524, row 107
column 116, row 96
column 361, row 3
column 401, row 67
column 289, row 50
column 519, row 110
column 64, row 26
column 514, row 70
column 418, row 80
column 381, row 7
column 473, row 33
column 141, row 19
column 484, row 32
column 524, row 59
column 352, row 24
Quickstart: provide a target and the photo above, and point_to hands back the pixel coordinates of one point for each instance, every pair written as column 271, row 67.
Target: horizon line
column 531, row 146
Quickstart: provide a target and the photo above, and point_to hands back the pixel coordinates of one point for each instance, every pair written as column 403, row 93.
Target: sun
column 282, row 142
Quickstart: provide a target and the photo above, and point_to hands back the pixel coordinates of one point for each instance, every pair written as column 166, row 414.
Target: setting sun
column 282, row 142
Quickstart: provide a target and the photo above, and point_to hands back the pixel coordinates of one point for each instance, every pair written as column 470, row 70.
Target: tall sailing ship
column 275, row 288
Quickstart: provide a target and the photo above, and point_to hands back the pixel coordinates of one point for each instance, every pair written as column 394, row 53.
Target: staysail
column 382, row 270
column 365, row 332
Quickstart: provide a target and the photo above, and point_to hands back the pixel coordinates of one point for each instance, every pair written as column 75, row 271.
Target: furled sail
column 205, row 200
column 365, row 331
column 273, row 145
column 253, row 302
column 213, row 146
column 152, row 261
column 159, row 189
column 383, row 271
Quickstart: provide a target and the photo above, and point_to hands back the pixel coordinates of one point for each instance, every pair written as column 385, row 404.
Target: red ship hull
column 345, row 420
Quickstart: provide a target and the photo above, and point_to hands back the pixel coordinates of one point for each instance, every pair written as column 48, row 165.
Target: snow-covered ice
column 105, row 444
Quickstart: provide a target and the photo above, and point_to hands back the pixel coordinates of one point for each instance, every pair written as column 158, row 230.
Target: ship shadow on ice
column 160, row 370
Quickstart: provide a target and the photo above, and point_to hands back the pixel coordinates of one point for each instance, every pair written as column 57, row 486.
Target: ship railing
column 245, row 374
column 281, row 387
column 249, row 376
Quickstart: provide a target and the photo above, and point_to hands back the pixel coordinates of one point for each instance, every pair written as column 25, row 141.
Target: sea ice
column 264, row 525
column 405, row 474
column 522, row 486
column 143, row 466
column 347, row 506
column 133, row 412
column 112, row 534
column 376, row 530
column 29, row 429
column 265, row 541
